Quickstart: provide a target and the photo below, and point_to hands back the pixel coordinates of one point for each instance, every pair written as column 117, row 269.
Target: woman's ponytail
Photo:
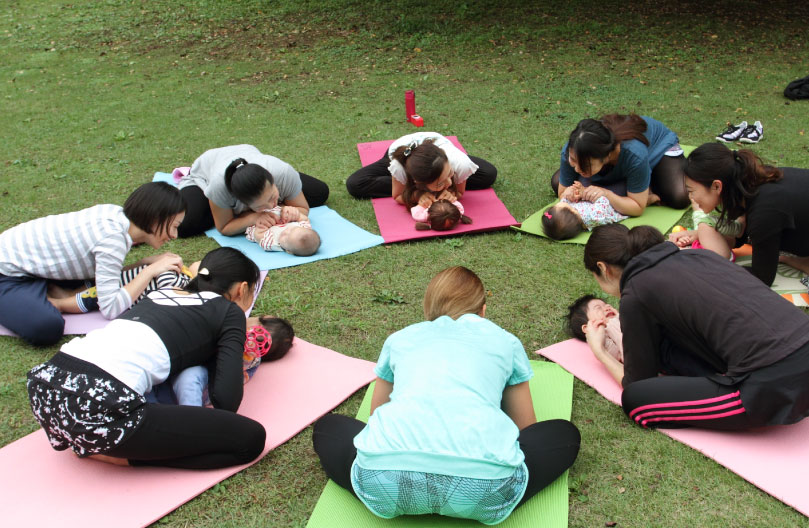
column 615, row 244
column 231, row 170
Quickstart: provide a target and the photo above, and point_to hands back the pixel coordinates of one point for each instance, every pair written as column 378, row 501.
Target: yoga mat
column 396, row 224
column 43, row 487
column 484, row 208
column 663, row 218
column 787, row 281
column 552, row 392
column 774, row 459
column 338, row 237
column 78, row 324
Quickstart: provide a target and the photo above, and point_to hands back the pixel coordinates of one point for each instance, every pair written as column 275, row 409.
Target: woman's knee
column 555, row 182
column 668, row 182
column 44, row 330
column 251, row 440
column 315, row 191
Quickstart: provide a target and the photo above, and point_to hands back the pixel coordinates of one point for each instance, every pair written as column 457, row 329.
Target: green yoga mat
column 552, row 392
column 663, row 218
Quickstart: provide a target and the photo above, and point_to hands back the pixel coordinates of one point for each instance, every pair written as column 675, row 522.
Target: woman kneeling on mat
column 234, row 188
column 632, row 160
column 774, row 203
column 89, row 396
column 742, row 350
column 452, row 429
column 425, row 163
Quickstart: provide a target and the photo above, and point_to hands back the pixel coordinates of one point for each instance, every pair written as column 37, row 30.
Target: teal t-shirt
column 444, row 413
column 635, row 162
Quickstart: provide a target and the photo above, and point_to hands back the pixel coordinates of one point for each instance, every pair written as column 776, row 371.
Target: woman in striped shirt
column 90, row 244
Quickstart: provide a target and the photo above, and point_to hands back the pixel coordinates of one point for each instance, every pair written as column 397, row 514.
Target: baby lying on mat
column 442, row 215
column 589, row 310
column 568, row 218
column 297, row 238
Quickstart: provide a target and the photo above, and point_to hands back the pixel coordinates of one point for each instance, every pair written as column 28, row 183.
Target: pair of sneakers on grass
column 742, row 132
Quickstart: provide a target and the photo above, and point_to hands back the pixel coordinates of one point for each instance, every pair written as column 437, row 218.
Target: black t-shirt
column 704, row 304
column 778, row 220
column 199, row 329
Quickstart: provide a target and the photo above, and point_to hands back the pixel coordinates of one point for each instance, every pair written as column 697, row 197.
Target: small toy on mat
column 410, row 109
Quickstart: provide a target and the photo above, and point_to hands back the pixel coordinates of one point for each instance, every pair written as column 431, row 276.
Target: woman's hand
column 426, row 200
column 165, row 262
column 596, row 333
column 290, row 214
column 145, row 261
column 593, row 193
column 448, row 195
column 264, row 220
column 571, row 194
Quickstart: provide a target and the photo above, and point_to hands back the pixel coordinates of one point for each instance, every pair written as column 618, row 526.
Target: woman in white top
column 90, row 244
column 424, row 163
column 233, row 187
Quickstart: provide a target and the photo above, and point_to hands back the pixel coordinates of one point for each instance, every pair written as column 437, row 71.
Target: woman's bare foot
column 653, row 199
column 799, row 263
column 110, row 460
column 62, row 299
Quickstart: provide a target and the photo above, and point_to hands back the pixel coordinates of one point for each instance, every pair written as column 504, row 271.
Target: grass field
column 98, row 95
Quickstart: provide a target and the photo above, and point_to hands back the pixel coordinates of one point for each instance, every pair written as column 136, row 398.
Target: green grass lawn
column 98, row 95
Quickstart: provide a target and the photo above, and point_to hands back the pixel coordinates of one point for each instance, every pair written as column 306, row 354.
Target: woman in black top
column 773, row 201
column 89, row 396
column 740, row 351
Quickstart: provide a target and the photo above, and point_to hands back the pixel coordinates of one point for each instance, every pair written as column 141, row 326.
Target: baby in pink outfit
column 442, row 215
column 589, row 308
column 297, row 238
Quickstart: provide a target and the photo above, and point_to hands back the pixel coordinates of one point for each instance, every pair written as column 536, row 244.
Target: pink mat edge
column 689, row 437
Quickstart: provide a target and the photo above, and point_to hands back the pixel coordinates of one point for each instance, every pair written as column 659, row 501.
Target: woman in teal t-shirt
column 452, row 429
column 632, row 160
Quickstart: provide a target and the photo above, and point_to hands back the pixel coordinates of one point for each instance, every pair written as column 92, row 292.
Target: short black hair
column 282, row 335
column 153, row 206
column 577, row 316
column 246, row 181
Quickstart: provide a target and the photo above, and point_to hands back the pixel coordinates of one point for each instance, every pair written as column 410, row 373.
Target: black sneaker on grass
column 732, row 132
column 753, row 133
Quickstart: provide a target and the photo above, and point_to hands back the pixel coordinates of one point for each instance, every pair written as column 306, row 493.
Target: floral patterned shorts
column 81, row 406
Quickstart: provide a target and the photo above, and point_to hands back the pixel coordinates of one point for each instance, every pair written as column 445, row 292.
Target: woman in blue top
column 452, row 429
column 633, row 160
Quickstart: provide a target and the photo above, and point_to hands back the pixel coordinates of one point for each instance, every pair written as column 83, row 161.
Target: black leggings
column 187, row 437
column 198, row 217
column 668, row 182
column 550, row 448
column 375, row 181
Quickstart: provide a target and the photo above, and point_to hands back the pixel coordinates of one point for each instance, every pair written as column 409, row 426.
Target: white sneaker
column 732, row 132
column 753, row 133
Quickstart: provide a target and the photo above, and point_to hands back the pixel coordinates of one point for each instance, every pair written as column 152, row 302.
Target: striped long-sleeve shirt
column 86, row 244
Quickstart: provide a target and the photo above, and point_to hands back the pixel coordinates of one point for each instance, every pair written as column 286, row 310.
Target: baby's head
column 562, row 221
column 300, row 241
column 443, row 217
column 586, row 309
column 280, row 334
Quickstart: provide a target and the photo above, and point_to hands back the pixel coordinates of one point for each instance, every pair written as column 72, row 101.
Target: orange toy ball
column 677, row 229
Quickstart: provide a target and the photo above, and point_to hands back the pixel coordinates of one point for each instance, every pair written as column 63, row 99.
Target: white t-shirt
column 208, row 173
column 462, row 166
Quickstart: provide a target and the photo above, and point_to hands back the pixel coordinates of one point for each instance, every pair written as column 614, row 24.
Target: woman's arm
column 381, row 395
column 632, row 204
column 226, row 383
column 229, row 224
column 595, row 334
column 397, row 190
column 299, row 202
column 166, row 262
column 518, row 405
column 765, row 258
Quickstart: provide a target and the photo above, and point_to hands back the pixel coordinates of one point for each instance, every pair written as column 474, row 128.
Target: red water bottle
column 410, row 103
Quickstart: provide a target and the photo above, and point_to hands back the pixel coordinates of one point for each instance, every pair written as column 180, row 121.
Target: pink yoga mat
column 396, row 224
column 79, row 324
column 43, row 487
column 775, row 459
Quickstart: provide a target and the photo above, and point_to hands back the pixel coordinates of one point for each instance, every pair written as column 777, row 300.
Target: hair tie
column 257, row 342
column 204, row 272
column 548, row 215
column 410, row 149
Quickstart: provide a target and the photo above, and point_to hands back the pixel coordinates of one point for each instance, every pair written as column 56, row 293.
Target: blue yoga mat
column 338, row 237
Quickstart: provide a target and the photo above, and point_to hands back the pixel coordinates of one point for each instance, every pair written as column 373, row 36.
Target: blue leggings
column 26, row 311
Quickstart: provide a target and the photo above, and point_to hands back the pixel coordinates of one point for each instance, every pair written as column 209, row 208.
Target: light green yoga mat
column 552, row 392
column 663, row 218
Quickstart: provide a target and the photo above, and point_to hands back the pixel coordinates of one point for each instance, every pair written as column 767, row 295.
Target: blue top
column 635, row 162
column 444, row 413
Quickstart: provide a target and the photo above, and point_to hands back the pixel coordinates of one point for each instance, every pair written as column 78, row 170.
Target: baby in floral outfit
column 569, row 218
column 297, row 238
